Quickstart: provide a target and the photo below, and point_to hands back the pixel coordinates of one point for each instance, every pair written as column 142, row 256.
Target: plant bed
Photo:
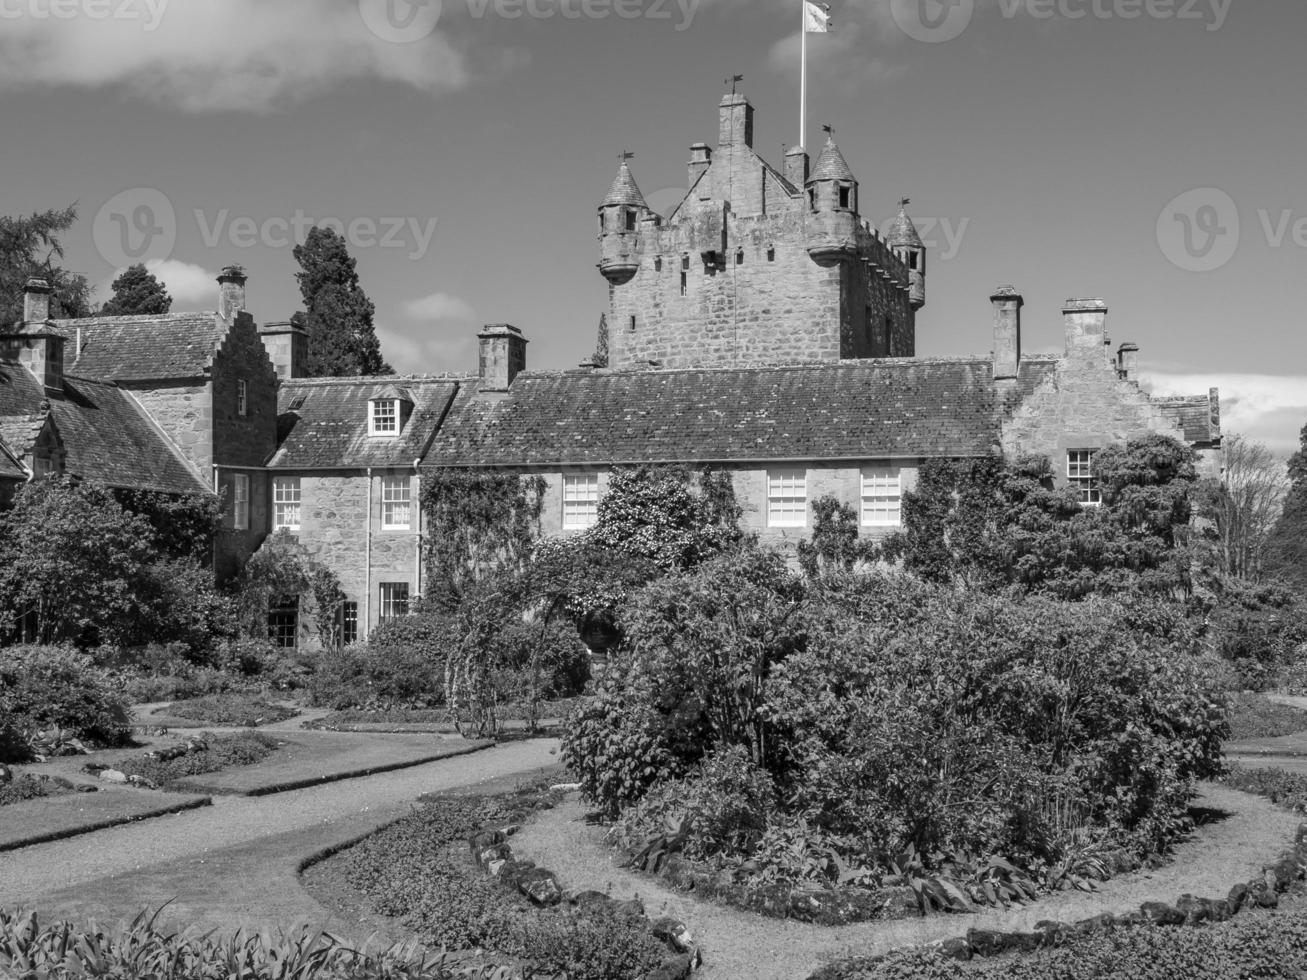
column 1257, row 716
column 433, row 719
column 422, row 872
column 232, row 710
column 205, row 754
column 1286, row 789
column 27, row 787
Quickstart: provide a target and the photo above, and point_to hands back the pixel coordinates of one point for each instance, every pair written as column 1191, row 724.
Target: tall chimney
column 1127, row 361
column 736, row 121
column 287, row 344
column 231, row 292
column 796, row 166
column 1086, row 329
column 36, row 301
column 1007, row 331
column 700, row 161
column 503, row 356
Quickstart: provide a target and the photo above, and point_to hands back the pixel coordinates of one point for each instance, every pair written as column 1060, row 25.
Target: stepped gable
column 142, row 348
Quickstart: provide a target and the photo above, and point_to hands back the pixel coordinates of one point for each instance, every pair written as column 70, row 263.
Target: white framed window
column 349, row 623
column 396, row 503
column 882, row 496
column 394, row 600
column 384, row 418
column 580, row 500
column 240, row 502
column 787, row 498
column 242, row 398
column 286, row 503
column 1080, row 475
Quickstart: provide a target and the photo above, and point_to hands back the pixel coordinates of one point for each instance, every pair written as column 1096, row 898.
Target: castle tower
column 905, row 241
column 619, row 223
column 833, row 202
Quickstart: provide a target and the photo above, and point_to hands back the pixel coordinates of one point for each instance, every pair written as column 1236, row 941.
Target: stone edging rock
column 494, row 855
column 1263, row 891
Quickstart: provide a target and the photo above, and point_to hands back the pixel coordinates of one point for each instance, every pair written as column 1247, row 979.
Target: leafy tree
column 279, row 572
column 33, row 246
column 836, row 545
column 600, row 357
column 75, row 567
column 1287, row 547
column 1244, row 506
column 137, row 292
column 182, row 525
column 338, row 314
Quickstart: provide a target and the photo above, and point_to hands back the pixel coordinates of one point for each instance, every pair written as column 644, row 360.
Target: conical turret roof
column 624, row 190
column 904, row 232
column 831, row 165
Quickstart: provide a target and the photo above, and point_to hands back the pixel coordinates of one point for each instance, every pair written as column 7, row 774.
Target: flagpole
column 803, row 71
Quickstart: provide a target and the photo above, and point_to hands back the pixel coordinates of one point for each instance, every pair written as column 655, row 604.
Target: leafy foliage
column 27, row 787
column 280, row 571
column 44, row 688
column 33, row 246
column 1286, row 548
column 836, row 545
column 225, row 752
column 182, row 525
column 137, row 292
column 1255, row 716
column 230, row 710
column 338, row 314
column 143, row 951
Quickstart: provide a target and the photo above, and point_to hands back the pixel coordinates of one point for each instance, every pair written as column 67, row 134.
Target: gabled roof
column 840, row 410
column 20, row 432
column 831, row 165
column 329, row 428
column 10, row 468
column 624, row 190
column 141, row 348
column 1198, row 415
column 106, row 435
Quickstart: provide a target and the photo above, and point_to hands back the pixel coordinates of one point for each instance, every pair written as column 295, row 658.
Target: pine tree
column 338, row 314
column 600, row 358
column 30, row 247
column 137, row 292
column 1287, row 548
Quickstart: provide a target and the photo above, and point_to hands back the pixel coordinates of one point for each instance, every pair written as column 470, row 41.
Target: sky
column 1150, row 152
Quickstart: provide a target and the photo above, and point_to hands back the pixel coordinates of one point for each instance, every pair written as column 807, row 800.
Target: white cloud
column 188, row 284
column 1264, row 407
column 446, row 353
column 206, row 55
column 441, row 308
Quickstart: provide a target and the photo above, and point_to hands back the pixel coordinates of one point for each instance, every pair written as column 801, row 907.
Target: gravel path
column 737, row 944
column 236, row 863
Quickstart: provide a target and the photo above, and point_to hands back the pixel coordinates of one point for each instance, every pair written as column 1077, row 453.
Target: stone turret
column 833, row 208
column 619, row 228
column 907, row 244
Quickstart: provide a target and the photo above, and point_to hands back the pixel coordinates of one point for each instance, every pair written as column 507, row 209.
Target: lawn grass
column 57, row 817
column 441, row 717
column 1256, row 716
column 224, row 752
column 231, row 709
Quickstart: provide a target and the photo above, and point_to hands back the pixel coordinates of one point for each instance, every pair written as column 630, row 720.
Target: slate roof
column 140, row 348
column 106, row 436
column 831, row 165
column 624, row 190
column 844, row 410
column 903, row 231
column 1198, row 415
column 9, row 468
column 329, row 428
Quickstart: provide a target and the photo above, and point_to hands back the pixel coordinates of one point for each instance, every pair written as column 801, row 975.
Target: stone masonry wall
column 335, row 530
column 185, row 413
column 1083, row 405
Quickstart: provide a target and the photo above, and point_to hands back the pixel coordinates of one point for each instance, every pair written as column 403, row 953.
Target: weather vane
column 733, row 81
column 828, row 129
column 626, row 155
column 904, row 202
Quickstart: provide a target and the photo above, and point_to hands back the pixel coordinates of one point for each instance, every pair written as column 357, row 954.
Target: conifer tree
column 337, row 312
column 31, row 247
column 137, row 292
column 1287, row 548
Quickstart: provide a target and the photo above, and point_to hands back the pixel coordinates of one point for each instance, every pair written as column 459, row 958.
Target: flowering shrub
column 45, row 688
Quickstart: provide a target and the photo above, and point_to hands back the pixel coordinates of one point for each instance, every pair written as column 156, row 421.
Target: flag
column 816, row 18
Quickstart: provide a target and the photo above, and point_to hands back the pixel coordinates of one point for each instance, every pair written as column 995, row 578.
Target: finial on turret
column 829, row 130
column 904, row 202
column 733, row 81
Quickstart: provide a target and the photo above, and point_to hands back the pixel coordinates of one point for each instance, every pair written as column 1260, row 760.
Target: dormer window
column 384, row 420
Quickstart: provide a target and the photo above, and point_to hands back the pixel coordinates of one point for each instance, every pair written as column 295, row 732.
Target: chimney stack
column 736, row 122
column 503, row 356
column 1086, row 329
column 1007, row 331
column 287, row 344
column 796, row 166
column 231, row 292
column 36, row 301
column 700, row 161
column 1127, row 362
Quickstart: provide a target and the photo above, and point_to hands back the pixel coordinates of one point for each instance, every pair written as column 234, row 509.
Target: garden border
column 69, row 832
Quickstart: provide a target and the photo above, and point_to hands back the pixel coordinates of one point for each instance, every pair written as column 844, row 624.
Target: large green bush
column 53, row 687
